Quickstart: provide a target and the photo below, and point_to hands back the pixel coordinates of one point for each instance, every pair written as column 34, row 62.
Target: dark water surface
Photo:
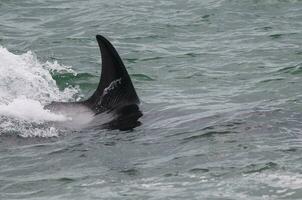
column 220, row 85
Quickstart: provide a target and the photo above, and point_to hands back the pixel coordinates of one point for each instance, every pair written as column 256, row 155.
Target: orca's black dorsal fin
column 115, row 89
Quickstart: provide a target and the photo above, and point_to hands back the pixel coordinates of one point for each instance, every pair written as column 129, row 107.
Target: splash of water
column 26, row 85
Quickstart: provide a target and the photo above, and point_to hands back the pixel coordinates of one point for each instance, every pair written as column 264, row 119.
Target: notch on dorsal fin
column 115, row 89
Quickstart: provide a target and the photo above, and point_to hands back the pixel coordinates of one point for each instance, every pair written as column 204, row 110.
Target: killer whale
column 115, row 96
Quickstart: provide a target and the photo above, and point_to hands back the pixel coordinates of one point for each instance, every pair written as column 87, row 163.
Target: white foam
column 29, row 110
column 25, row 75
column 26, row 85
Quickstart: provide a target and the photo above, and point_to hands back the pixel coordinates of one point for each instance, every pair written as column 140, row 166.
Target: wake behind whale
column 114, row 104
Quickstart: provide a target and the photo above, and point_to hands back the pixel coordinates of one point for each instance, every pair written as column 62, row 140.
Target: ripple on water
column 130, row 172
column 268, row 80
column 256, row 168
column 199, row 170
column 205, row 135
column 294, row 70
column 28, row 188
column 141, row 77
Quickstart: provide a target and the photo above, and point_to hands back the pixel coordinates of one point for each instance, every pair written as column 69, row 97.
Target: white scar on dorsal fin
column 112, row 86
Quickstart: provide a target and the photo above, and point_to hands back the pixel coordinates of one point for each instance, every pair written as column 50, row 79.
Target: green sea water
column 220, row 89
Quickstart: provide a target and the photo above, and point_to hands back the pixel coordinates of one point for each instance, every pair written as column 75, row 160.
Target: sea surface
column 220, row 84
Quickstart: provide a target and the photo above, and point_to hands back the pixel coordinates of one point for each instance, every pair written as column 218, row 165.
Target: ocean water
column 220, row 85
